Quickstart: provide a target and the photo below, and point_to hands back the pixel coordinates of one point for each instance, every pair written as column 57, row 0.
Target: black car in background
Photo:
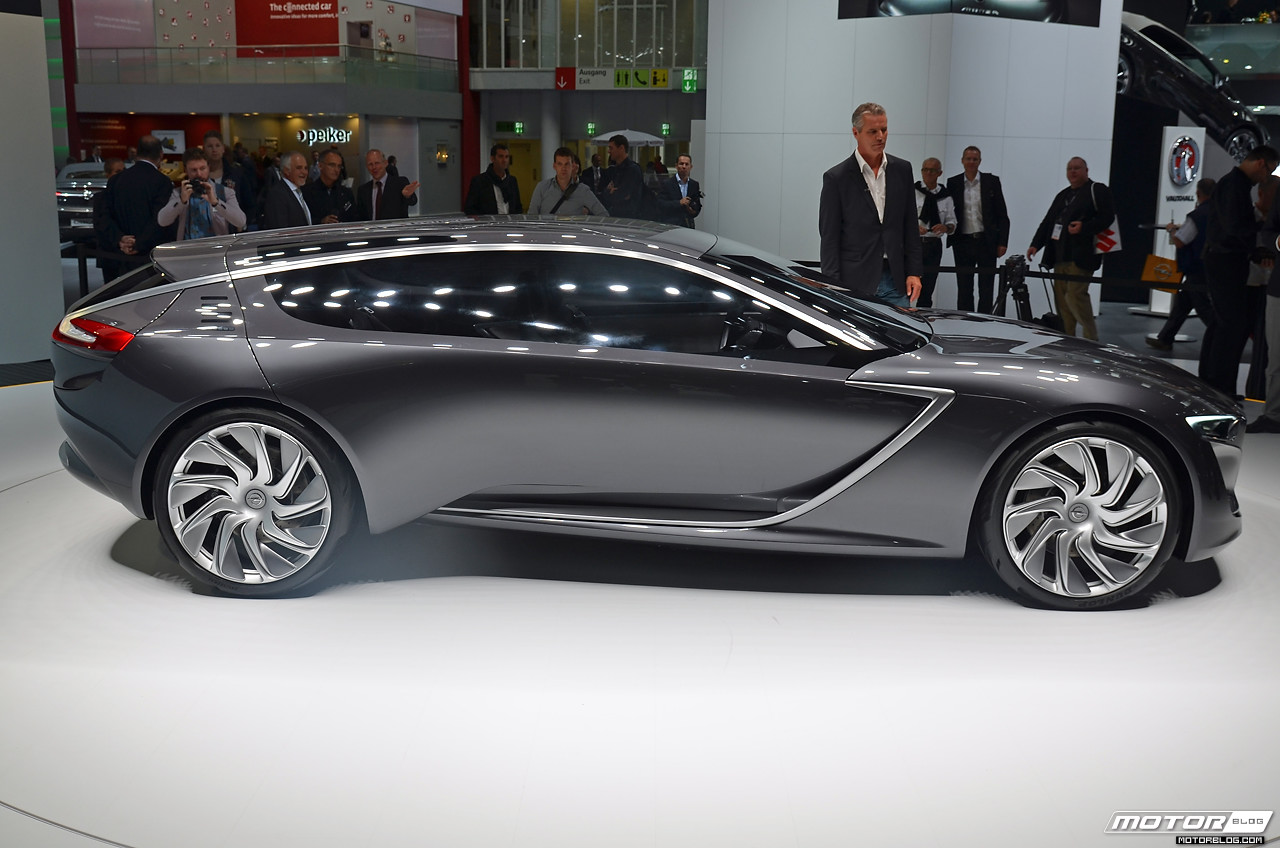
column 262, row 396
column 1158, row 65
column 77, row 184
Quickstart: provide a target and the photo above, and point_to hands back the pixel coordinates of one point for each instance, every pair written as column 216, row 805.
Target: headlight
column 1222, row 427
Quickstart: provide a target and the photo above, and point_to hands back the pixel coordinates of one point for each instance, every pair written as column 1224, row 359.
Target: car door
column 568, row 379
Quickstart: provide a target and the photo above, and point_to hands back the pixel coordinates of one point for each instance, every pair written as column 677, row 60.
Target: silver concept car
column 264, row 396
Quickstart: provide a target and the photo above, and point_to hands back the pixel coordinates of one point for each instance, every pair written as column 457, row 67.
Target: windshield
column 1190, row 56
column 887, row 324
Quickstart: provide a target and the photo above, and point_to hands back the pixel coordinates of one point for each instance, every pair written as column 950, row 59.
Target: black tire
column 251, row 503
column 1240, row 142
column 1082, row 516
column 1125, row 70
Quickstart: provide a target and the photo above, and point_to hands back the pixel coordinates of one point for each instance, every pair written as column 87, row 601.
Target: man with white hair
column 284, row 205
column 870, row 238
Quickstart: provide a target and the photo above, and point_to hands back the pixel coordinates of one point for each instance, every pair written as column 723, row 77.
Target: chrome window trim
column 939, row 400
column 831, row 328
column 175, row 288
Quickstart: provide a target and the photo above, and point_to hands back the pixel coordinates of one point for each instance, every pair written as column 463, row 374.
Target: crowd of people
column 879, row 232
column 226, row 190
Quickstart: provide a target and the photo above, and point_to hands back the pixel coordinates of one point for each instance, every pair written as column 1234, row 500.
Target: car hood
column 980, row 354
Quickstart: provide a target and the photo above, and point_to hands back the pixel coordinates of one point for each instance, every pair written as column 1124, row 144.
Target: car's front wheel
column 1080, row 517
column 251, row 503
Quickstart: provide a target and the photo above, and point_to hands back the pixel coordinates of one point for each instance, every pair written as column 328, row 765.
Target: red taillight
column 94, row 335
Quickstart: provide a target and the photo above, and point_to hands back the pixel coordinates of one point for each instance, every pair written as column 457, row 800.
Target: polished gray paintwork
column 888, row 458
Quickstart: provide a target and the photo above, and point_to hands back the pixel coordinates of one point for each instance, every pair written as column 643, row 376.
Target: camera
column 197, row 187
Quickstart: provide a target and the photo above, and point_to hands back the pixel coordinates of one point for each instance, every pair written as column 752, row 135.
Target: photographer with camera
column 201, row 207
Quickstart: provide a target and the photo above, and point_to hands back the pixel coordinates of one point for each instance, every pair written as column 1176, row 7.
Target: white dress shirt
column 875, row 182
column 972, row 224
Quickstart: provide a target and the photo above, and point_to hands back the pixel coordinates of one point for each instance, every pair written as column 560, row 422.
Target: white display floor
column 480, row 688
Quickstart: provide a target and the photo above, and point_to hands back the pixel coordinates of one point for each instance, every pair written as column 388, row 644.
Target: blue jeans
column 888, row 289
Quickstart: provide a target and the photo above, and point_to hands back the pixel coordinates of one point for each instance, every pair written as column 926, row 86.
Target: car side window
column 563, row 297
column 443, row 293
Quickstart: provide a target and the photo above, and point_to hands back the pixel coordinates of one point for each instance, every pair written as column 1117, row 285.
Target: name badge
column 1057, row 232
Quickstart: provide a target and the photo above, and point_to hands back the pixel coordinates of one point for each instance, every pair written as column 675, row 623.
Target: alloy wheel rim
column 1085, row 517
column 249, row 503
column 1123, row 76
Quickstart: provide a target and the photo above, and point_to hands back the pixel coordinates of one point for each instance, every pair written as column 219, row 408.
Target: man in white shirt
column 937, row 215
column 869, row 235
column 982, row 231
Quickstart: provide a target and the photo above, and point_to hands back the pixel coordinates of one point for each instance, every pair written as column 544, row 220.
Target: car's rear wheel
column 1240, row 142
column 251, row 503
column 1080, row 517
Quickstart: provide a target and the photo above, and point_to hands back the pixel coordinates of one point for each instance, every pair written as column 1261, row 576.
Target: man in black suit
column 1230, row 245
column 284, row 205
column 495, row 191
column 134, row 197
column 622, row 191
column 384, row 196
column 982, row 231
column 680, row 200
column 867, row 217
column 328, row 199
column 593, row 176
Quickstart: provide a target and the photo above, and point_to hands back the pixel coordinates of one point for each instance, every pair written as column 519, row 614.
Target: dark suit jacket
column 133, row 199
column 1233, row 227
column 481, row 200
column 281, row 209
column 669, row 206
column 622, row 189
column 854, row 240
column 1270, row 232
column 334, row 200
column 995, row 215
column 1075, row 205
column 393, row 203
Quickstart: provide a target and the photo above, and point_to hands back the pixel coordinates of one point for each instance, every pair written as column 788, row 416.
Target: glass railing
column 1239, row 50
column 311, row 63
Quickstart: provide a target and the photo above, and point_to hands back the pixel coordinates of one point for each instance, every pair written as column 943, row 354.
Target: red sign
column 566, row 79
column 273, row 22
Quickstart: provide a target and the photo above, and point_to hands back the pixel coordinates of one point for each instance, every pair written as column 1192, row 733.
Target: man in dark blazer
column 134, row 197
column 680, row 200
column 870, row 240
column 395, row 194
column 494, row 191
column 284, row 205
column 982, row 231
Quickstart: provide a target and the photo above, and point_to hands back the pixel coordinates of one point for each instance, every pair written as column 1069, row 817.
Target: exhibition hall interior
column 690, row 524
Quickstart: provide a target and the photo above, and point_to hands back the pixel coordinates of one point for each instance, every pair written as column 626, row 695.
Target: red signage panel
column 262, row 26
column 566, row 79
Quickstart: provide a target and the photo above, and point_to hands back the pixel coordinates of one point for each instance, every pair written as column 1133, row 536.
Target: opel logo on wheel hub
column 255, row 499
column 1078, row 513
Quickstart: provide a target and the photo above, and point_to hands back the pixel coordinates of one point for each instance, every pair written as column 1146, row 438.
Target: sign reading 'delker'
column 262, row 26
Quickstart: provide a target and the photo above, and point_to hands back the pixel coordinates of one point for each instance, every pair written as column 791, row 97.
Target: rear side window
column 140, row 279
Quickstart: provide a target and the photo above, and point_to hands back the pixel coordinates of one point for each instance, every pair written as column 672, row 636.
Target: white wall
column 784, row 76
column 396, row 137
column 31, row 282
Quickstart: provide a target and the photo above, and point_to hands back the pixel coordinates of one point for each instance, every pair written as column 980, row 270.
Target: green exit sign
column 666, row 129
column 689, row 80
column 516, row 127
column 591, row 128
